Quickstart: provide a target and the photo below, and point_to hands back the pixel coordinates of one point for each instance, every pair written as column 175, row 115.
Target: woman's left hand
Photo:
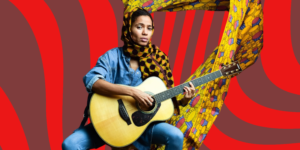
column 189, row 93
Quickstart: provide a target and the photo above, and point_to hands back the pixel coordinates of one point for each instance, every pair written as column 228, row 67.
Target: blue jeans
column 156, row 133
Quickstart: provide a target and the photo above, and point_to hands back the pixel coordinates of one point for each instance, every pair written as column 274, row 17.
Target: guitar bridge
column 123, row 112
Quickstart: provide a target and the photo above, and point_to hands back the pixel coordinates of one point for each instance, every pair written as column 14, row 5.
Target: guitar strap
column 86, row 111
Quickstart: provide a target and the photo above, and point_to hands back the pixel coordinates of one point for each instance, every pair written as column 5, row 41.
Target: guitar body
column 106, row 112
column 118, row 119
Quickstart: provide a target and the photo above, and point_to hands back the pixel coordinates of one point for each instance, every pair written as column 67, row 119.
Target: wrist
column 131, row 91
column 183, row 102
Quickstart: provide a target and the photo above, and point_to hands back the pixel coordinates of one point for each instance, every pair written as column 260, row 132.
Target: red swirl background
column 46, row 48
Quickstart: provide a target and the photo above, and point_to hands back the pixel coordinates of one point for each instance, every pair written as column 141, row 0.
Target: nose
column 145, row 31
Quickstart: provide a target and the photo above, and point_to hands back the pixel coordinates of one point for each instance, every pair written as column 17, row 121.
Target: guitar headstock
column 231, row 69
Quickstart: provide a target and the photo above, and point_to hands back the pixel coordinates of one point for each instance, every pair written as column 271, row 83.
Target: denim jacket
column 114, row 67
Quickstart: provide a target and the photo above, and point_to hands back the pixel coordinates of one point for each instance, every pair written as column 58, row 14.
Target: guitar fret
column 213, row 75
column 200, row 81
column 170, row 93
column 159, row 97
column 208, row 78
column 204, row 79
column 194, row 83
column 220, row 73
column 176, row 89
column 181, row 88
column 217, row 74
column 156, row 98
column 173, row 92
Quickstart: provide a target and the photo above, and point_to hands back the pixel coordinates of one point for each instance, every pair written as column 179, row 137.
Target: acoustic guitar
column 119, row 120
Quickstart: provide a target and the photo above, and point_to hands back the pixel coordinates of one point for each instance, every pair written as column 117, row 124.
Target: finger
column 192, row 85
column 141, row 104
column 185, row 90
column 192, row 94
column 193, row 91
column 188, row 92
column 150, row 98
column 192, row 88
column 145, row 102
column 149, row 102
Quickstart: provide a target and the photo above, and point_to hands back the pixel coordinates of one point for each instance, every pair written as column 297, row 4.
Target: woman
column 242, row 41
column 130, row 65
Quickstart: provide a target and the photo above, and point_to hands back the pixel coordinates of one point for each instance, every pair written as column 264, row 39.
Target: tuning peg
column 237, row 70
column 227, row 73
column 232, row 71
column 233, row 63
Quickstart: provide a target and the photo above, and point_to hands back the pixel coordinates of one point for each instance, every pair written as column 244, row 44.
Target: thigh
column 83, row 138
column 144, row 141
column 163, row 132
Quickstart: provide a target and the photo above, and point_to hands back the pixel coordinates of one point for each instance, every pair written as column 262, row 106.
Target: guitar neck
column 179, row 89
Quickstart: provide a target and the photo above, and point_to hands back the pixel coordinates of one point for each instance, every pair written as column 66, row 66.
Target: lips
column 144, row 39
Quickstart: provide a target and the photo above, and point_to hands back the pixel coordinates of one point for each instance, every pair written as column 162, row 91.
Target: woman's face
column 141, row 30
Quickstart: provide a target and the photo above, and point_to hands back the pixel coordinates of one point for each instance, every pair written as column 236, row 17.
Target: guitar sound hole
column 140, row 118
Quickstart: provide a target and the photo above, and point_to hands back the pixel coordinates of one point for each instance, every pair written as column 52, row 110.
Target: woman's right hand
column 143, row 99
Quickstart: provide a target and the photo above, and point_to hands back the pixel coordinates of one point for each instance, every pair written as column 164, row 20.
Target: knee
column 69, row 144
column 177, row 136
column 175, row 140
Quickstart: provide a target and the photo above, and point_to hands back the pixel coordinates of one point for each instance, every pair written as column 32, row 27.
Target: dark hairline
column 142, row 22
column 141, row 12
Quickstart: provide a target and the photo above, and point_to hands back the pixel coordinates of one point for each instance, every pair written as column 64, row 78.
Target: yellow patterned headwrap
column 152, row 61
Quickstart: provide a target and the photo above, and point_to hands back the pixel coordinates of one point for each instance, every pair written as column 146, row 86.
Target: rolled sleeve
column 92, row 81
column 100, row 71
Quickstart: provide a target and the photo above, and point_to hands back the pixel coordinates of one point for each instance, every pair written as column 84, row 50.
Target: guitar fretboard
column 179, row 89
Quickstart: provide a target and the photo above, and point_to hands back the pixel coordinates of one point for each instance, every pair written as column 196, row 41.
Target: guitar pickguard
column 139, row 118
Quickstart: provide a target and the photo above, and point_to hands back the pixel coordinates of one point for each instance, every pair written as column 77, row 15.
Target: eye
column 138, row 27
column 149, row 28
